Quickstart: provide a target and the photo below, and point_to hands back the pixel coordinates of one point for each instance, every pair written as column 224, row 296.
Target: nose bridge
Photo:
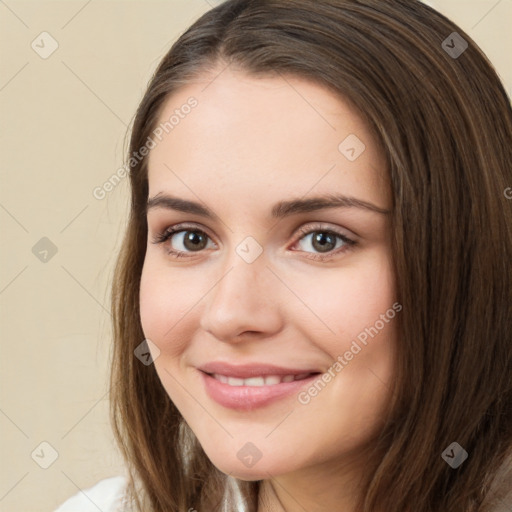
column 243, row 298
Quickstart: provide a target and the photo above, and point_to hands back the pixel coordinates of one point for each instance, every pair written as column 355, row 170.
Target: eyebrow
column 279, row 210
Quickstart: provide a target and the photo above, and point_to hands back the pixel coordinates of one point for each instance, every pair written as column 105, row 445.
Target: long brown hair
column 445, row 123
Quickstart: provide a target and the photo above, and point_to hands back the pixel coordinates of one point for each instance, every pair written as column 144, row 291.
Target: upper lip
column 245, row 371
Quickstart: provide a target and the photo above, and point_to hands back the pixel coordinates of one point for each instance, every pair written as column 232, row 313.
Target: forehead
column 251, row 136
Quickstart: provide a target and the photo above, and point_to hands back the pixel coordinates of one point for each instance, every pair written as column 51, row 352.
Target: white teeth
column 254, row 381
column 269, row 380
column 233, row 381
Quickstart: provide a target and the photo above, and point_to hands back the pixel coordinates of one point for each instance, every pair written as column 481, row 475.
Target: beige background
column 63, row 122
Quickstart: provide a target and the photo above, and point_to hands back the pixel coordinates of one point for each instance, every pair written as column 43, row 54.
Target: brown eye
column 187, row 240
column 194, row 240
column 323, row 241
column 182, row 242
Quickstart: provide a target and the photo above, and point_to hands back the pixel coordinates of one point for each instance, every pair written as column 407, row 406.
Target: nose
column 246, row 300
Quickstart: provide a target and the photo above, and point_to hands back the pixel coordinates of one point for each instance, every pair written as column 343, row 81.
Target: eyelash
column 167, row 233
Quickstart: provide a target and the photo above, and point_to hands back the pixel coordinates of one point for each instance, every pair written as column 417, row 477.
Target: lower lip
column 247, row 398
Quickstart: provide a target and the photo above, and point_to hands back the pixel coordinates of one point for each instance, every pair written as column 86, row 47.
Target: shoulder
column 106, row 495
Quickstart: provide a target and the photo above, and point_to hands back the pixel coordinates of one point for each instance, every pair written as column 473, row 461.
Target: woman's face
column 271, row 271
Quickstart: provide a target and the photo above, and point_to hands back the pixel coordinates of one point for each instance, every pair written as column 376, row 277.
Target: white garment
column 107, row 496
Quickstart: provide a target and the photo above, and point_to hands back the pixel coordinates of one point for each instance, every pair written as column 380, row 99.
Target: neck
column 312, row 490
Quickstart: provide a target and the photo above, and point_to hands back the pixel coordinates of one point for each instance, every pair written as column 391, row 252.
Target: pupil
column 322, row 241
column 194, row 238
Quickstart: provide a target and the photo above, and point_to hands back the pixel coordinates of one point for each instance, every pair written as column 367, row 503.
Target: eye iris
column 194, row 237
column 322, row 241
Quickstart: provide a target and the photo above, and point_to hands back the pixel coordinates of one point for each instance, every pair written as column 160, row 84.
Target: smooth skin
column 248, row 144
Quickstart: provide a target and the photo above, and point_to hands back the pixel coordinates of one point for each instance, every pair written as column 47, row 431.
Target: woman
column 312, row 304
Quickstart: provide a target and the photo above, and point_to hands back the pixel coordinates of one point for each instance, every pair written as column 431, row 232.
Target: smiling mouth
column 256, row 391
column 259, row 381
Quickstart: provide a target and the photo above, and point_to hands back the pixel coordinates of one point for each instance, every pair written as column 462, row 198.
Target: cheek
column 348, row 301
column 357, row 306
column 161, row 307
column 150, row 302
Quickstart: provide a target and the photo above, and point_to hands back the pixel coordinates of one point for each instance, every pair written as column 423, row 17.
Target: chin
column 246, row 474
column 260, row 471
